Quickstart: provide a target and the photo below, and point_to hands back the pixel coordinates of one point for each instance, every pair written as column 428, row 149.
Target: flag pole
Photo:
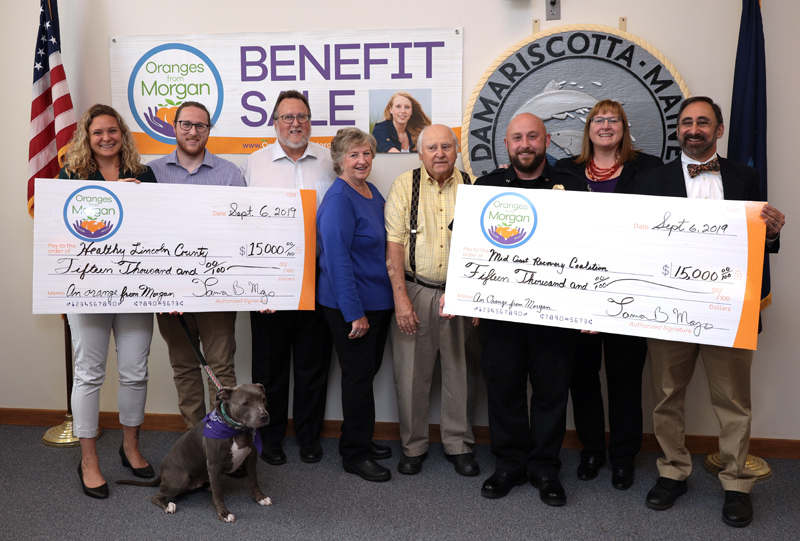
column 62, row 435
column 747, row 144
column 51, row 128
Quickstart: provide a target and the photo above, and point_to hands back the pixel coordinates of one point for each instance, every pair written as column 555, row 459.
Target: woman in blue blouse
column 355, row 292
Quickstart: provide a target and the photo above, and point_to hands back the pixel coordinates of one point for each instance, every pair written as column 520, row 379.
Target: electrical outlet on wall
column 553, row 8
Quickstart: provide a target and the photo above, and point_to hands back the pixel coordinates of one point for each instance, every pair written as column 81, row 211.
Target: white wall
column 699, row 38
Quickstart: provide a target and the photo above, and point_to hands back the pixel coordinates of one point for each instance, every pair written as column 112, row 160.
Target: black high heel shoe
column 101, row 492
column 146, row 472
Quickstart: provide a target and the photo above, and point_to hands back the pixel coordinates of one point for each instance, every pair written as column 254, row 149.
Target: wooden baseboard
column 703, row 445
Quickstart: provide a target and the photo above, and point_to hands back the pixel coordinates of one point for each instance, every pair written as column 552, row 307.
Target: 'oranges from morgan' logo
column 93, row 213
column 508, row 220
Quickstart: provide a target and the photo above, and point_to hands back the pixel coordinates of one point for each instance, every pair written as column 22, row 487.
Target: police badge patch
column 558, row 75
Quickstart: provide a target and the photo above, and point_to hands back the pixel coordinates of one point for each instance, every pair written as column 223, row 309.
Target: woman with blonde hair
column 102, row 149
column 404, row 120
column 608, row 163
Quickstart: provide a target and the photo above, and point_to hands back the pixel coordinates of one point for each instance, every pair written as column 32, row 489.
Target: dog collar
column 228, row 420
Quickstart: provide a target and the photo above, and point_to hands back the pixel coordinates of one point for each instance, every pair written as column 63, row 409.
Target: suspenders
column 412, row 241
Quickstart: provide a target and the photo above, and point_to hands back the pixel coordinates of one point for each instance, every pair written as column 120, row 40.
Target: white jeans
column 90, row 338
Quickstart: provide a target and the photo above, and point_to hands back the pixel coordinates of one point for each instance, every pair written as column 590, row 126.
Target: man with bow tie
column 701, row 174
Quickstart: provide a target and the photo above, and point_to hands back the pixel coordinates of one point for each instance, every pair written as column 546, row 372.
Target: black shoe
column 146, row 472
column 588, row 468
column 272, row 453
column 379, row 452
column 622, row 478
column 500, row 483
column 738, row 509
column 409, row 465
column 465, row 464
column 100, row 492
column 310, row 453
column 551, row 491
column 369, row 470
column 663, row 495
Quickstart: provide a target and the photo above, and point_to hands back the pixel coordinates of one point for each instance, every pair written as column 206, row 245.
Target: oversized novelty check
column 125, row 247
column 662, row 267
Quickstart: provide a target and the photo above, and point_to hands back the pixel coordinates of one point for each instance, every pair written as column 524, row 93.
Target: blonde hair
column 345, row 139
column 418, row 120
column 79, row 158
column 626, row 152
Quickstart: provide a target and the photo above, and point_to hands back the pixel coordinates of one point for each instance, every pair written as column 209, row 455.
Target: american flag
column 52, row 117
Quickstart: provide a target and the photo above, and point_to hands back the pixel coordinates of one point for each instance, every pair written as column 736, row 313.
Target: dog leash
column 196, row 347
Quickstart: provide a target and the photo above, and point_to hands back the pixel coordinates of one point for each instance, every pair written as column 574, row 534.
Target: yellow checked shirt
column 436, row 208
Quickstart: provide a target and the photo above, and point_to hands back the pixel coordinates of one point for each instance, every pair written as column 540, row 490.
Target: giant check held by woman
column 124, row 247
column 670, row 268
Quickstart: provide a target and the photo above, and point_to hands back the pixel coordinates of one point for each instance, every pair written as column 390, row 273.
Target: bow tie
column 696, row 169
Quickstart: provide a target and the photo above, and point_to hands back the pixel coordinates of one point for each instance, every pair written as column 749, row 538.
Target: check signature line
column 606, row 316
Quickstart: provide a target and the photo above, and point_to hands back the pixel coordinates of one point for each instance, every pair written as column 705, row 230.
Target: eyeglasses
column 301, row 118
column 613, row 120
column 701, row 122
column 185, row 125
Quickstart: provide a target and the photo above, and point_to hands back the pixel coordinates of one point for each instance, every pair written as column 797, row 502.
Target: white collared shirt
column 270, row 167
column 706, row 185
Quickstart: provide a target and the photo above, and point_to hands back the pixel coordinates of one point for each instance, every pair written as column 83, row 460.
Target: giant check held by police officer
column 661, row 267
column 125, row 247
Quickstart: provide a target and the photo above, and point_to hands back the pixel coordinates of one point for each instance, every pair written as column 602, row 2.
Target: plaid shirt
column 436, row 208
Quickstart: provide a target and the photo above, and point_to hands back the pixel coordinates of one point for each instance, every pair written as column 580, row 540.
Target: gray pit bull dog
column 218, row 445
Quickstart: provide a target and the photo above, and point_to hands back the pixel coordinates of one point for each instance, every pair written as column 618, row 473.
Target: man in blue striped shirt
column 191, row 163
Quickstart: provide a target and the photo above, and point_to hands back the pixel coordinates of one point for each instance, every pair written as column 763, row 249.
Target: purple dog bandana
column 217, row 429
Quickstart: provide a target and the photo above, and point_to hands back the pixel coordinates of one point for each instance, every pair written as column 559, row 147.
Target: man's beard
column 302, row 143
column 528, row 169
column 695, row 148
column 197, row 151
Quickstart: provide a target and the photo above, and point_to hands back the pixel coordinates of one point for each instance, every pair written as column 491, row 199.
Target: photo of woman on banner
column 404, row 119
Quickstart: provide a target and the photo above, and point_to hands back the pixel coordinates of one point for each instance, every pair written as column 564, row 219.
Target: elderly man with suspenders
column 418, row 212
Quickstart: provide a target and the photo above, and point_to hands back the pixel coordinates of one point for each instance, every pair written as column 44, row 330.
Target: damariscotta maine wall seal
column 558, row 75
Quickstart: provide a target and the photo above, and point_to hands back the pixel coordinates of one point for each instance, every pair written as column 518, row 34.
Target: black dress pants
column 301, row 337
column 360, row 359
column 624, row 362
column 513, row 355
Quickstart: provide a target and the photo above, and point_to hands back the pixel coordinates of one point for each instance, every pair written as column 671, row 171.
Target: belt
column 416, row 280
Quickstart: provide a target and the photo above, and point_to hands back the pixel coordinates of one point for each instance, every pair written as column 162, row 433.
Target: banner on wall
column 348, row 76
column 559, row 75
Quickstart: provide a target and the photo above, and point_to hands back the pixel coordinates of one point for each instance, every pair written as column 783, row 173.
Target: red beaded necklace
column 598, row 174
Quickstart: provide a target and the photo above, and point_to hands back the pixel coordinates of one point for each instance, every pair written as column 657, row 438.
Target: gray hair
column 421, row 136
column 345, row 139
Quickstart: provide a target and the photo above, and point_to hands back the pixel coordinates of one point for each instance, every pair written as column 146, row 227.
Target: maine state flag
column 747, row 139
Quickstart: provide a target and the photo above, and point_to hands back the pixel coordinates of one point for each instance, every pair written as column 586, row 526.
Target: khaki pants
column 728, row 374
column 454, row 342
column 216, row 333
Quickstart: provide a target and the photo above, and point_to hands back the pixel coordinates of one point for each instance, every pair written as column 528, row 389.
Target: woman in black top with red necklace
column 608, row 163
